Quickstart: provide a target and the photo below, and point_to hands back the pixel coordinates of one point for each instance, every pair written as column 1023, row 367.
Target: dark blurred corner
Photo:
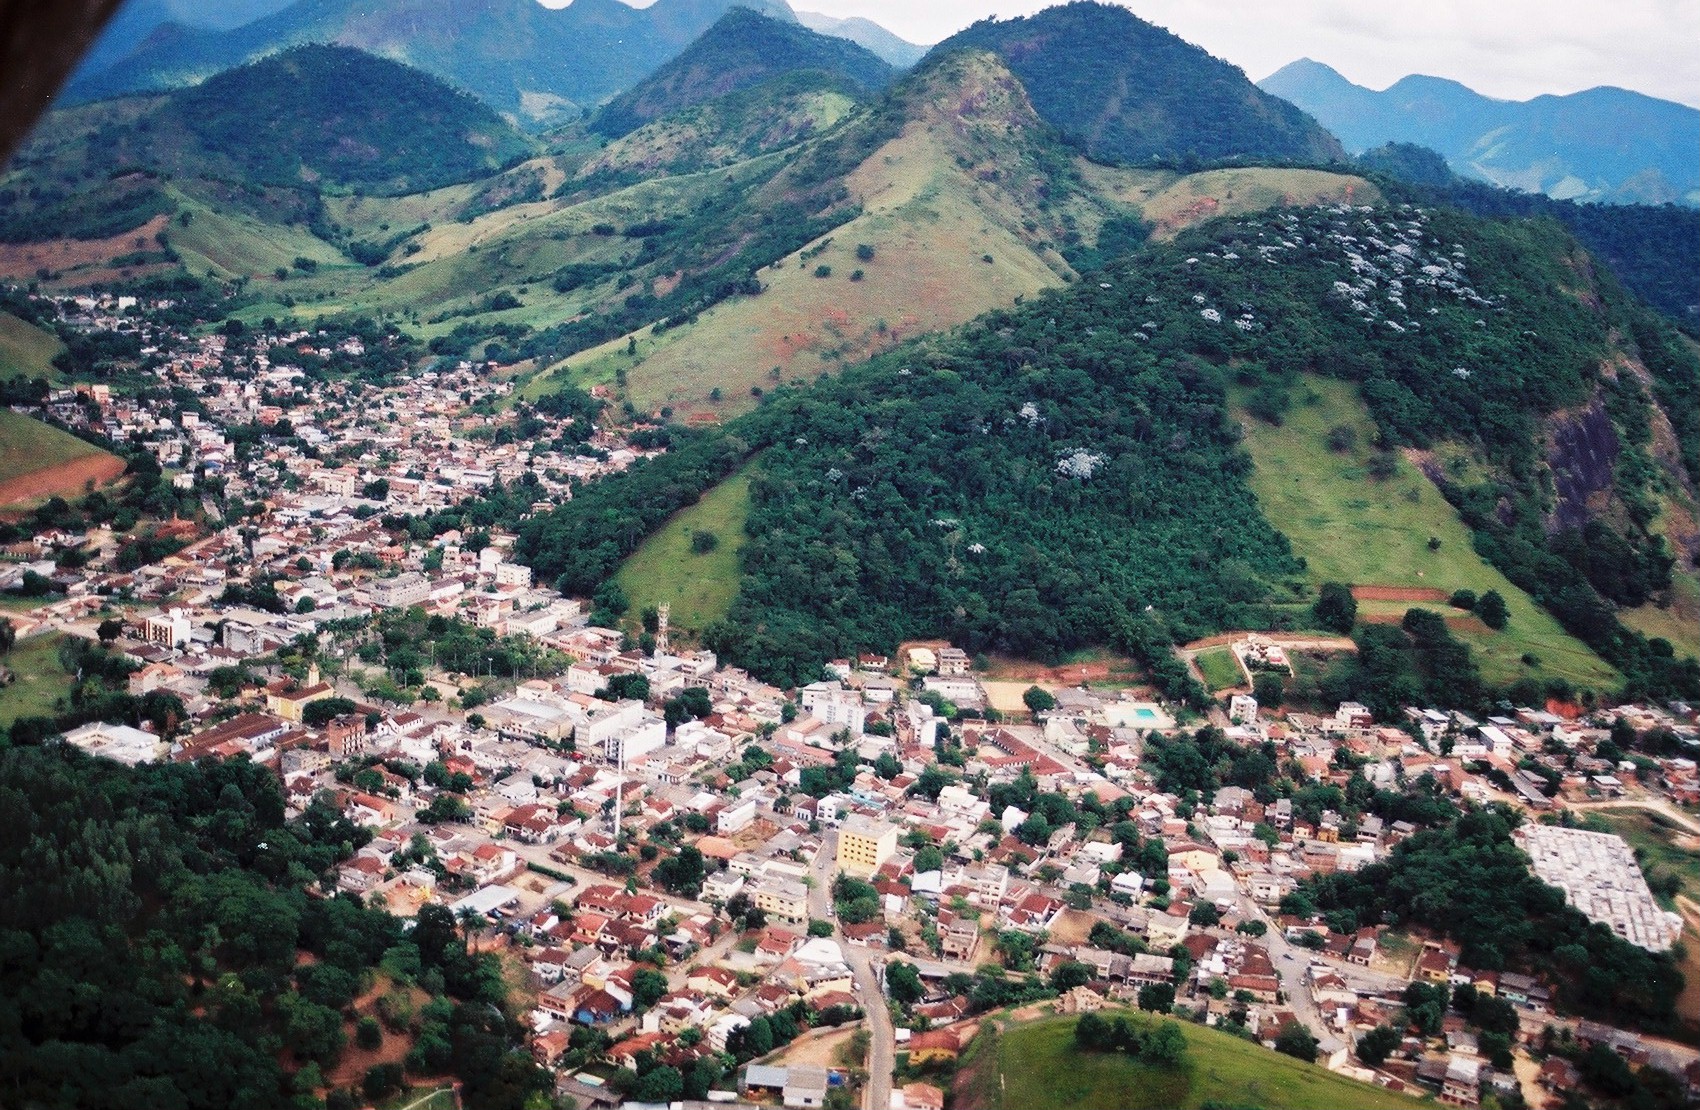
column 43, row 40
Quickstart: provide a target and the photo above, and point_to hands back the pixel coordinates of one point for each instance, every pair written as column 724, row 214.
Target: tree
column 368, row 1034
column 320, row 713
column 903, row 982
column 1092, row 1032
column 1378, row 1044
column 1157, row 997
column 1038, row 700
column 663, row 1085
column 1070, row 974
column 1164, row 1046
column 110, row 629
column 1268, row 689
column 819, row 928
column 1035, row 830
column 1335, row 609
column 623, row 686
column 1296, row 1041
column 648, row 985
column 1491, row 608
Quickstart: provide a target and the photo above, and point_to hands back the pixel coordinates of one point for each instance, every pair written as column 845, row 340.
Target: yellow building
column 864, row 845
column 780, row 899
column 289, row 699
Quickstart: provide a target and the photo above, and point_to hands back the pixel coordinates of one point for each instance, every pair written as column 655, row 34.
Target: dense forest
column 1469, row 881
column 161, row 948
column 1085, row 65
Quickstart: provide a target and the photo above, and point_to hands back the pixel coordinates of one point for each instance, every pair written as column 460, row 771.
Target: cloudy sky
column 1505, row 48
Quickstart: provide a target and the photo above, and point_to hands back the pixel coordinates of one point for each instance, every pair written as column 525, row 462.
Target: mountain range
column 1604, row 144
column 537, row 65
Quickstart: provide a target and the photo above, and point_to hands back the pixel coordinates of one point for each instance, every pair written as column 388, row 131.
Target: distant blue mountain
column 1606, row 144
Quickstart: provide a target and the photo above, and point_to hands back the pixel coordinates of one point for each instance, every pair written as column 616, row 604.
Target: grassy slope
column 236, row 244
column 25, row 350
column 1679, row 622
column 930, row 225
column 936, row 204
column 1038, row 1068
column 1352, row 529
column 28, row 445
column 1172, row 203
column 699, row 587
column 40, row 679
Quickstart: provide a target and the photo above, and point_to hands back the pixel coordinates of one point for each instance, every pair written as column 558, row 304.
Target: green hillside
column 26, row 350
column 1128, row 91
column 28, row 446
column 1063, row 474
column 1035, row 1066
column 778, row 113
column 1353, row 528
column 741, row 50
column 266, row 140
column 669, row 567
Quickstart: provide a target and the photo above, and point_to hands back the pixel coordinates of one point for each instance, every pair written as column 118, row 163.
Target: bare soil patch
column 66, row 478
column 1398, row 593
column 22, row 260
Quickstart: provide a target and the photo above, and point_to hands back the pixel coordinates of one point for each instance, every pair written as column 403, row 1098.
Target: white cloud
column 1507, row 48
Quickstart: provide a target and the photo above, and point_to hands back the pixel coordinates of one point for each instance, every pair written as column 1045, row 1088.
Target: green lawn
column 699, row 587
column 1351, row 528
column 26, row 351
column 27, row 446
column 1037, row 1067
column 40, row 680
column 1221, row 670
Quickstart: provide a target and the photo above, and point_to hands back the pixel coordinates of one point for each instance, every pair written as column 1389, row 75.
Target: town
column 722, row 890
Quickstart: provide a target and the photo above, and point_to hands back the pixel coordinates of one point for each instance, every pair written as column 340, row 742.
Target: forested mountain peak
column 327, row 117
column 742, row 49
column 1126, row 90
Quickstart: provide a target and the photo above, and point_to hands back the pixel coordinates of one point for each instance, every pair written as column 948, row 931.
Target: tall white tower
column 662, row 612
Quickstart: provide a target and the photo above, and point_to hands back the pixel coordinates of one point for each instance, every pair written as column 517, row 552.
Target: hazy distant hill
column 135, row 20
column 1129, row 91
column 534, row 63
column 1604, row 144
column 743, row 49
column 865, row 32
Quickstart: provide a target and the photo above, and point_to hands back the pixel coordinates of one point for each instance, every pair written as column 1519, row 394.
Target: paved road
column 869, row 970
column 1291, row 963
